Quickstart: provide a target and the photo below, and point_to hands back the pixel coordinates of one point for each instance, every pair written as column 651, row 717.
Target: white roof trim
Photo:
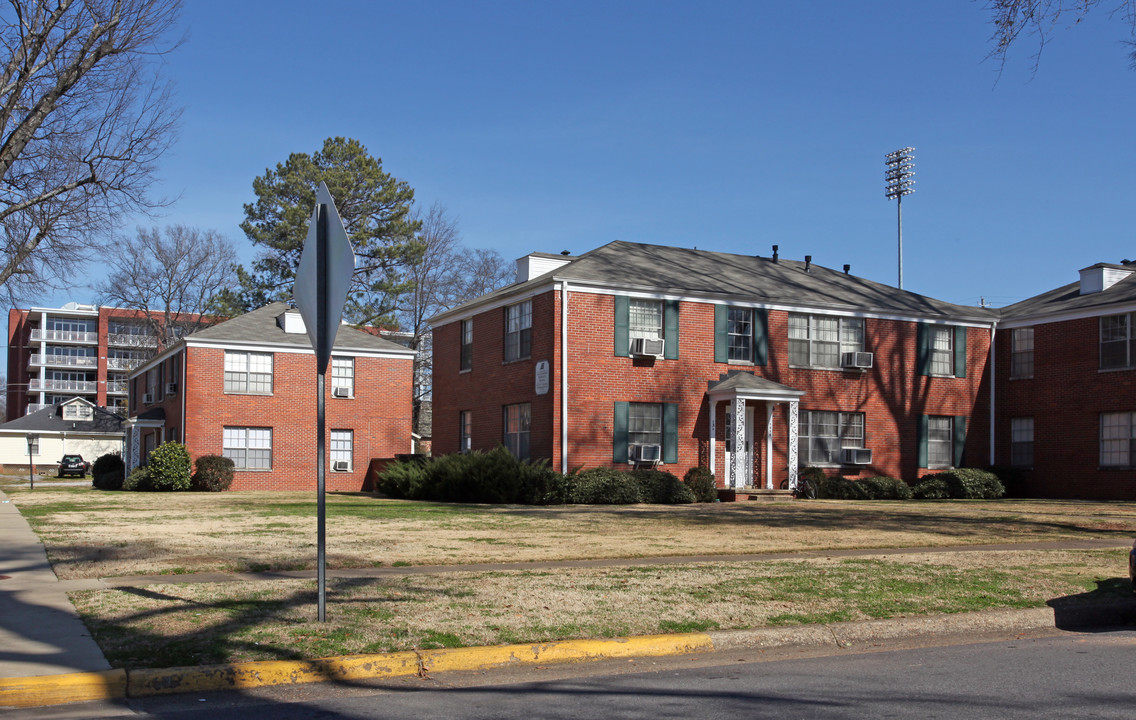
column 1042, row 319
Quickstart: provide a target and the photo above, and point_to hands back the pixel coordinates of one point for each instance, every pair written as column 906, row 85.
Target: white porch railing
column 72, row 336
column 123, row 363
column 131, row 340
column 64, row 360
column 79, row 386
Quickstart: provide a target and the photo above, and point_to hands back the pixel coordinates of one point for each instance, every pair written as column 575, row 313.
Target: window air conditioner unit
column 341, row 466
column 147, row 398
column 856, row 456
column 341, row 392
column 647, row 347
column 171, row 388
column 856, row 360
column 646, row 453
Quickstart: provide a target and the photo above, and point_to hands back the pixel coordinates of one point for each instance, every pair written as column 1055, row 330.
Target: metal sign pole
column 321, row 449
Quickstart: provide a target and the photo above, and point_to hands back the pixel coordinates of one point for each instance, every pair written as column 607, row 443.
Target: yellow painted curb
column 565, row 651
column 269, row 672
column 42, row 690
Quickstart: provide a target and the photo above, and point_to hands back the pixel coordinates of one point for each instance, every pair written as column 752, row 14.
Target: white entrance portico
column 739, row 388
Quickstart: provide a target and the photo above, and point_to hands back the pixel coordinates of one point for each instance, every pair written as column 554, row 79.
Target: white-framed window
column 1117, row 342
column 342, row 449
column 644, row 426
column 645, row 319
column 78, row 411
column 822, row 434
column 739, row 327
column 249, row 448
column 1117, row 439
column 518, row 331
column 942, row 350
column 940, row 441
column 1021, row 353
column 465, row 431
column 343, row 376
column 466, row 345
column 819, row 340
column 1021, row 442
column 248, row 373
column 518, row 423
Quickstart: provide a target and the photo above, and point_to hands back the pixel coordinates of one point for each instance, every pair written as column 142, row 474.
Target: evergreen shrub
column 212, row 473
column 661, row 488
column 169, row 468
column 701, row 482
column 108, row 472
column 603, row 486
column 885, row 488
column 138, row 479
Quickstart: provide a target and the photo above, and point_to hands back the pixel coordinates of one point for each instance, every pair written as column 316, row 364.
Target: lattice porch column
column 713, row 431
column 793, row 421
column 739, row 456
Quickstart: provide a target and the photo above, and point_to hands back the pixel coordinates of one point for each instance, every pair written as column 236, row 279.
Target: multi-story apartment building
column 751, row 366
column 1065, row 387
column 55, row 354
column 245, row 388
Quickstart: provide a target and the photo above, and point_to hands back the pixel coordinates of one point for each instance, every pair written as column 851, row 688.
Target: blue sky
column 732, row 126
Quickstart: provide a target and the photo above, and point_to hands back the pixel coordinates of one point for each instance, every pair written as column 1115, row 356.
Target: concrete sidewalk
column 40, row 631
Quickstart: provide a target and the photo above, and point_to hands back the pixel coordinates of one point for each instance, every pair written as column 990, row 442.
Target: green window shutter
column 760, row 336
column 960, row 351
column 721, row 334
column 923, row 352
column 622, row 326
column 619, row 432
column 959, row 443
column 670, row 329
column 922, row 454
column 670, row 433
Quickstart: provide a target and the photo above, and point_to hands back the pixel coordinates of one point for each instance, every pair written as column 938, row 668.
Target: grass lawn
column 97, row 534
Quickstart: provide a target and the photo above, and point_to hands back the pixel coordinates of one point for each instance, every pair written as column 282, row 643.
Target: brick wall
column 379, row 415
column 1065, row 397
column 892, row 394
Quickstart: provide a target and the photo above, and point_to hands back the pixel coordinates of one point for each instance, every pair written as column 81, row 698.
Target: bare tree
column 83, row 121
column 447, row 275
column 174, row 274
column 1041, row 18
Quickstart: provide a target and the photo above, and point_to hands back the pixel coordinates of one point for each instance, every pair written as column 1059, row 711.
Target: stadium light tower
column 899, row 176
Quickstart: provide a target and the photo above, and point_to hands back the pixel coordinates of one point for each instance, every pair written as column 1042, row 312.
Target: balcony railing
column 64, row 360
column 123, row 363
column 33, row 407
column 117, row 388
column 70, row 336
column 131, row 340
column 79, row 386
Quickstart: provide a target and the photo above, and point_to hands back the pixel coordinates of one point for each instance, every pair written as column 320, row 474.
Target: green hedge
column 478, row 477
column 603, row 486
column 701, row 483
column 661, row 487
column 960, row 484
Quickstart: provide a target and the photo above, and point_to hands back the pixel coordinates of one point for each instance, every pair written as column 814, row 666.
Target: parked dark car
column 73, row 465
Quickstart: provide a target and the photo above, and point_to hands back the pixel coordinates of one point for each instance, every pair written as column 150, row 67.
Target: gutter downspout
column 564, row 377
column 184, row 394
column 993, row 375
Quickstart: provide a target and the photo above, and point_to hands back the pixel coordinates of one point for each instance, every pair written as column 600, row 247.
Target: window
column 248, row 448
column 942, row 351
column 249, row 373
column 940, row 441
column 77, row 411
column 1117, row 344
column 1021, row 442
column 821, row 435
column 739, row 327
column 819, row 340
column 465, row 431
column 645, row 319
column 518, row 419
column 342, row 442
column 1021, row 353
column 644, row 426
column 518, row 331
column 466, row 345
column 343, row 377
column 1118, row 439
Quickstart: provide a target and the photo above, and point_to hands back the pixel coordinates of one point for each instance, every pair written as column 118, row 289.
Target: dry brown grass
column 190, row 624
column 98, row 534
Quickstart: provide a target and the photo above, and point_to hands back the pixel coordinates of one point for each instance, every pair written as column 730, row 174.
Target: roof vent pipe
column 774, row 253
column 847, row 268
column 808, row 263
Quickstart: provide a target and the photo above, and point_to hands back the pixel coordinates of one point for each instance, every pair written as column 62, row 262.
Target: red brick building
column 1065, row 387
column 246, row 389
column 751, row 366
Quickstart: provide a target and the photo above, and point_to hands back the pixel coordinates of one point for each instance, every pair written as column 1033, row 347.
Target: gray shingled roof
column 50, row 419
column 1068, row 298
column 259, row 327
column 751, row 278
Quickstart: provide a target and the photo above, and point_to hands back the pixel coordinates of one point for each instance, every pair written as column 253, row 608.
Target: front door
column 747, row 450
